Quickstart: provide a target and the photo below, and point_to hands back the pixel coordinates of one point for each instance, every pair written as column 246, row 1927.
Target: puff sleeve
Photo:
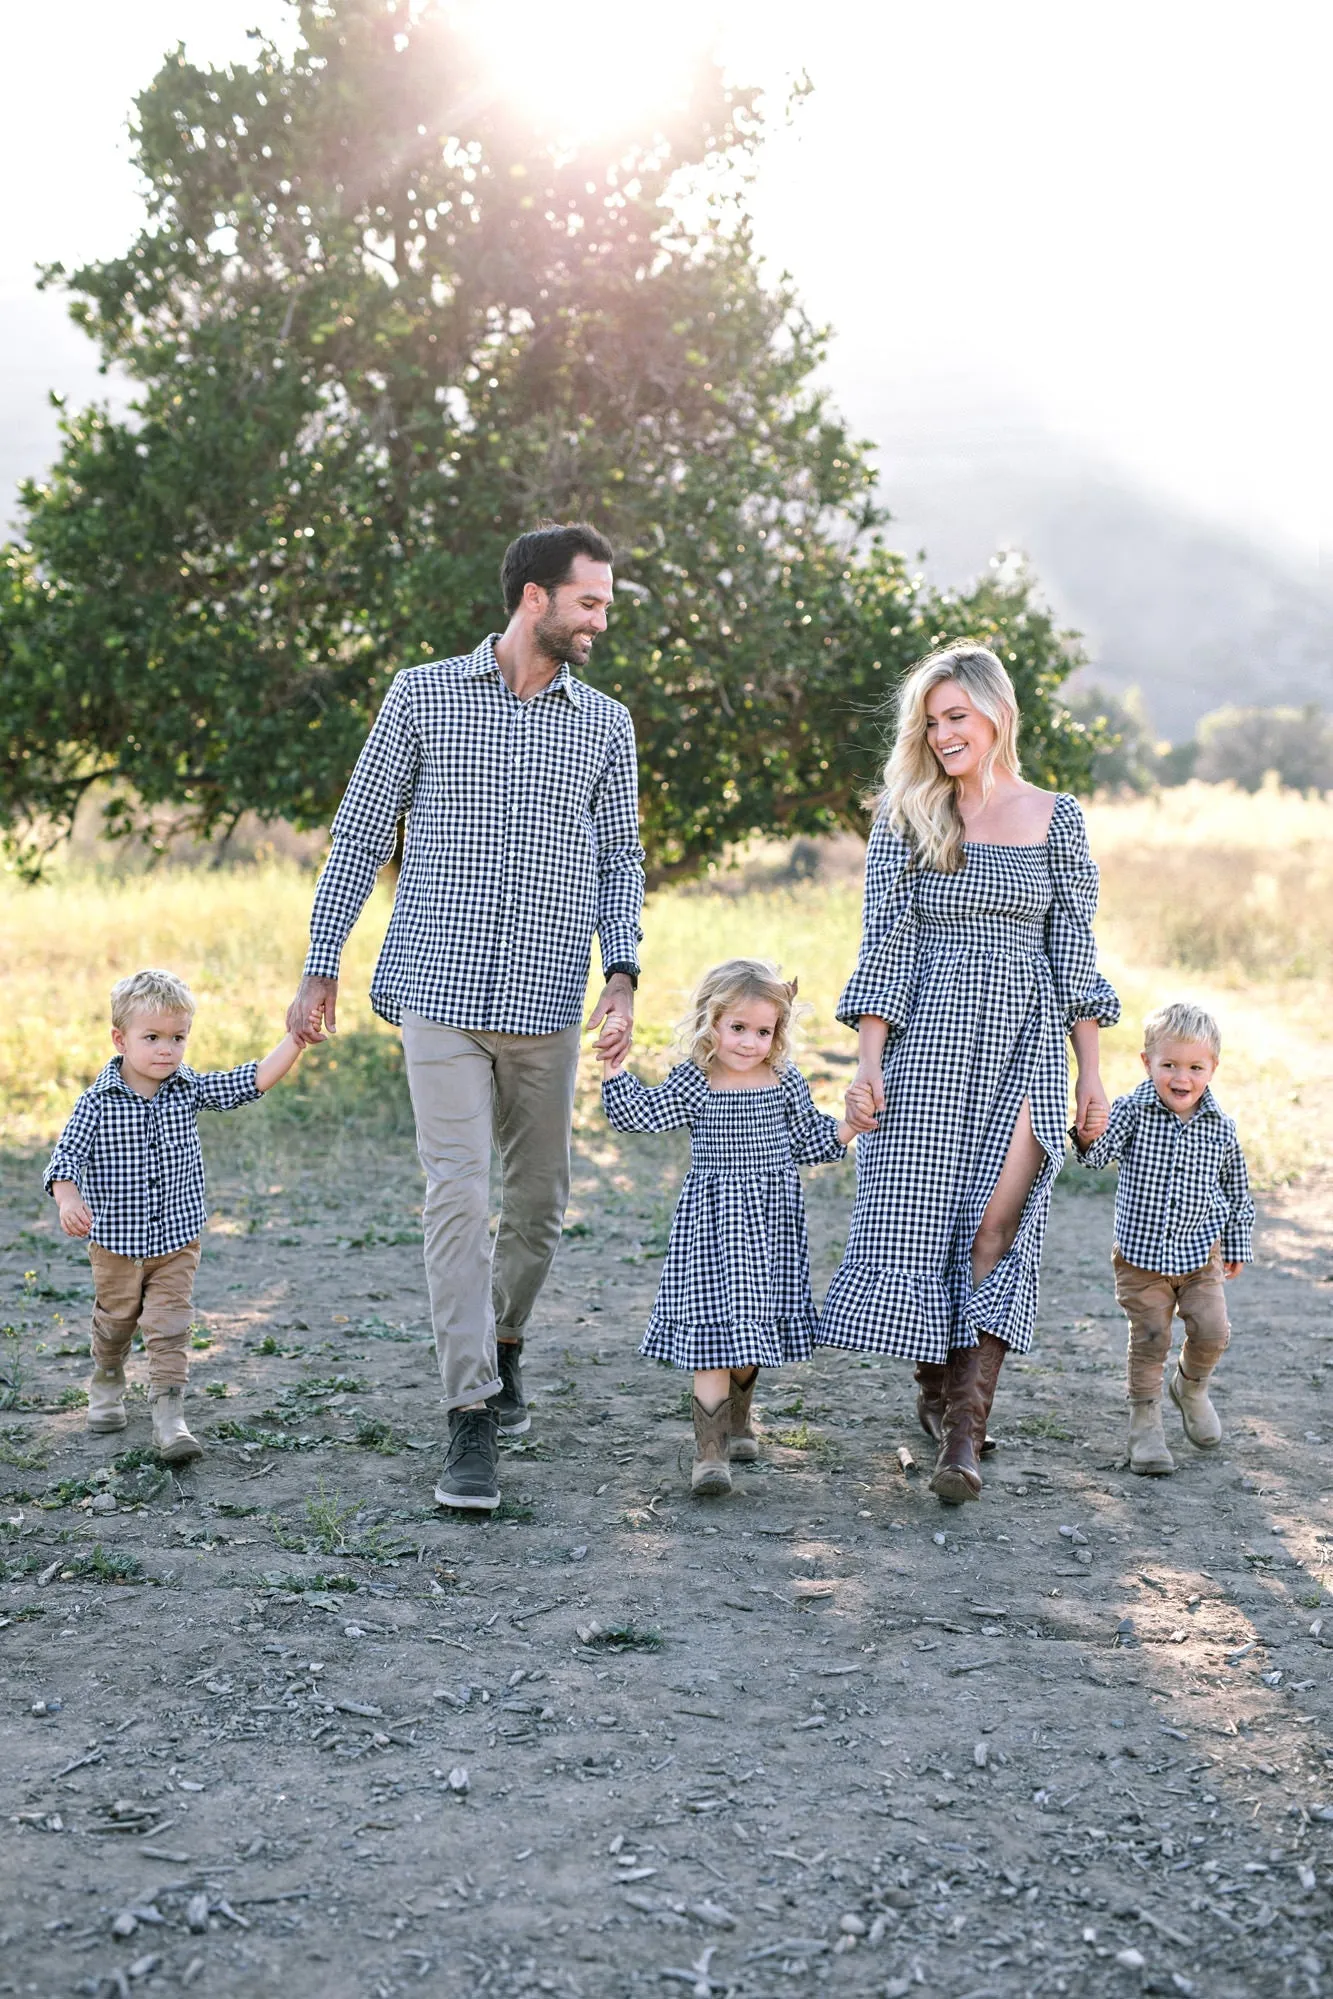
column 885, row 969
column 814, row 1135
column 1080, row 989
column 634, row 1106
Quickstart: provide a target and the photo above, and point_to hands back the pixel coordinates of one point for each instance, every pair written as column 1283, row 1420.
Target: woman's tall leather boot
column 930, row 1377
column 968, row 1394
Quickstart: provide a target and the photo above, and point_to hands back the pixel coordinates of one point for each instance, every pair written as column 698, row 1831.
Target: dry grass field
column 279, row 1724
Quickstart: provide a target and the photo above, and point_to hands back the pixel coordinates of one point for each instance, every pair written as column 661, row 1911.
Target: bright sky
column 1109, row 216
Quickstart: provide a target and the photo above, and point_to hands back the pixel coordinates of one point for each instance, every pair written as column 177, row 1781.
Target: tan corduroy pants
column 1150, row 1300
column 470, row 1090
column 151, row 1295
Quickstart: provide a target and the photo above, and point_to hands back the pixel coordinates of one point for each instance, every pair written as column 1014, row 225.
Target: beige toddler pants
column 469, row 1089
column 1150, row 1300
column 152, row 1294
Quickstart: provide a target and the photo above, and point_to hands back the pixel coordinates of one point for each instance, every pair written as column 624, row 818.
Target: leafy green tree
column 376, row 324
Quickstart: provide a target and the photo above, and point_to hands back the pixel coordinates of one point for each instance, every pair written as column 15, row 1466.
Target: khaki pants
column 470, row 1088
column 1150, row 1301
column 151, row 1294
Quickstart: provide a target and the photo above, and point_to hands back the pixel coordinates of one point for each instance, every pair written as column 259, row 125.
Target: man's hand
column 313, row 1014
column 75, row 1218
column 614, row 1014
column 1230, row 1270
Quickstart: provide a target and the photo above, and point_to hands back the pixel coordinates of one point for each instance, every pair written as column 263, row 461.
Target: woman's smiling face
column 957, row 731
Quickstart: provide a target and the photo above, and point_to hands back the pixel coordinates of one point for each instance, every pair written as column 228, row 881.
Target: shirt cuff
column 1237, row 1246
column 322, row 960
column 631, row 972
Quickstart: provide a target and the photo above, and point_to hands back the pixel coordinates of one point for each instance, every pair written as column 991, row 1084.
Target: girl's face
column 958, row 733
column 745, row 1034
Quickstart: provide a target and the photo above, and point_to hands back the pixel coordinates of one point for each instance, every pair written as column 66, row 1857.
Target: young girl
column 735, row 1290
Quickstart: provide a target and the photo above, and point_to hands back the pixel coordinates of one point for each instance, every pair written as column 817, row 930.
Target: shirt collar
column 483, row 662
column 1207, row 1105
column 111, row 1080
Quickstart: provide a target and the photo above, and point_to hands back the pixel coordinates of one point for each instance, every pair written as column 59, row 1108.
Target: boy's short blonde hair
column 728, row 985
column 1182, row 1020
column 149, row 992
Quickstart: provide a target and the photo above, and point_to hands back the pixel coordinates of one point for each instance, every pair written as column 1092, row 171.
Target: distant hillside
column 1189, row 612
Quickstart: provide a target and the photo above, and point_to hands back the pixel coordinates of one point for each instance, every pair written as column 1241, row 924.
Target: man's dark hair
column 545, row 556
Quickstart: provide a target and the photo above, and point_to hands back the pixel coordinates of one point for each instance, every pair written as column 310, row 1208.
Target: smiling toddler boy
column 128, row 1175
column 1183, row 1225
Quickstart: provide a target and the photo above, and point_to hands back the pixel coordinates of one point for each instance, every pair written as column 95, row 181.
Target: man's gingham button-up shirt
column 136, row 1160
column 522, row 839
column 1182, row 1184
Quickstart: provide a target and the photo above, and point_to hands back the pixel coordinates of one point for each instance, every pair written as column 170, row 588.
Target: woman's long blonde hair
column 920, row 799
column 727, row 985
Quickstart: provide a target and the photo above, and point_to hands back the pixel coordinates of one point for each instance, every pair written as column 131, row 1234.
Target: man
column 519, row 785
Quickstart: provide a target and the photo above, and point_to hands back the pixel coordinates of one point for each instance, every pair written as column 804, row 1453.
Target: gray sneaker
column 511, row 1411
column 468, row 1479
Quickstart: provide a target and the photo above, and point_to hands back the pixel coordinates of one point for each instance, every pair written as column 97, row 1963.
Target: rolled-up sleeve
column 227, row 1089
column 1080, row 989
column 70, row 1158
column 885, row 972
column 615, row 818
column 365, row 829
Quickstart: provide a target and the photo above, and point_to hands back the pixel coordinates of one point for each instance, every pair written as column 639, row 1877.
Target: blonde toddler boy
column 1183, row 1226
column 128, row 1175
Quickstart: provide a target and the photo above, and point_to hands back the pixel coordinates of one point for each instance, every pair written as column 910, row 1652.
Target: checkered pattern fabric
column 735, row 1287
column 1182, row 1184
column 980, row 975
column 522, row 839
column 136, row 1160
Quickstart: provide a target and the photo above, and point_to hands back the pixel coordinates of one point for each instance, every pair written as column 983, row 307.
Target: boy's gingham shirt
column 522, row 839
column 1182, row 1184
column 136, row 1160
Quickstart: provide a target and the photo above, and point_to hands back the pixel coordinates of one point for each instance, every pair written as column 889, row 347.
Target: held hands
column 1092, row 1113
column 313, row 1014
column 75, row 1217
column 865, row 1098
column 614, row 1014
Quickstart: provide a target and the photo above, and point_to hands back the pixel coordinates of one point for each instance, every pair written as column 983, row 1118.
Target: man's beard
column 556, row 640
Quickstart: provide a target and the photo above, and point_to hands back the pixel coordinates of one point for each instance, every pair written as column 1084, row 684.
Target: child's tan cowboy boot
column 1148, row 1453
column 1203, row 1425
column 173, row 1442
column 712, row 1433
column 106, row 1400
column 743, row 1448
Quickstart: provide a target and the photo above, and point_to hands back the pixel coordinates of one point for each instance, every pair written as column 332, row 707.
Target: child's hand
column 846, row 1133
column 75, row 1216
column 1230, row 1270
column 861, row 1111
column 1095, row 1119
column 613, row 1064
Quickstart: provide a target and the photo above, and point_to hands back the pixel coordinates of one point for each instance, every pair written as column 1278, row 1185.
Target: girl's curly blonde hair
column 727, row 985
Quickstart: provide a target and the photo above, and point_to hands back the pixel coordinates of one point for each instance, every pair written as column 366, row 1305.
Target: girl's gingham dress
column 980, row 975
column 735, row 1287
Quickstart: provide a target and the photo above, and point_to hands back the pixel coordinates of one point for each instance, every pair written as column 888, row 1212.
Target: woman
column 977, row 959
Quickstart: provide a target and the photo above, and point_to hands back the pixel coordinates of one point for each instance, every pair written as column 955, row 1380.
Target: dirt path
column 1072, row 1739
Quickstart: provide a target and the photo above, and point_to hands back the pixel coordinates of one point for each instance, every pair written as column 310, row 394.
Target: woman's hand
column 862, row 1108
column 1092, row 1113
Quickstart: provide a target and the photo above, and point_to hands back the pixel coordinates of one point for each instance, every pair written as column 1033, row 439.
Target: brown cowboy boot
column 969, row 1391
column 930, row 1378
column 744, row 1443
column 712, row 1432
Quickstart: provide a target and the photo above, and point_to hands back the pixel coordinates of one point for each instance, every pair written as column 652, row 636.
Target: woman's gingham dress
column 980, row 975
column 735, row 1287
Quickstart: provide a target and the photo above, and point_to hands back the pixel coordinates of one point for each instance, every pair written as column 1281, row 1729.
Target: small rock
column 586, row 1633
column 1131, row 1959
column 580, row 1553
column 38, row 1707
column 981, row 1754
column 196, row 1914
column 1315, row 1630
column 1273, row 1679
column 1306, row 1876
column 938, row 1539
column 124, row 1924
column 851, row 1926
column 103, row 1502
column 459, row 1781
column 142, row 1967
column 897, row 1988
column 1083, row 1555
column 713, row 1914
column 353, row 1631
